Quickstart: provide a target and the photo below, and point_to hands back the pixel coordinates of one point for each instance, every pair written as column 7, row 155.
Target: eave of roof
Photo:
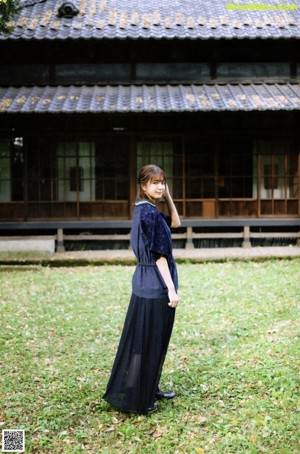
column 158, row 19
column 151, row 99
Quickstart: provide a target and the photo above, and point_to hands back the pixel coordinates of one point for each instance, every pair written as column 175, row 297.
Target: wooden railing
column 245, row 235
column 119, row 230
column 244, row 229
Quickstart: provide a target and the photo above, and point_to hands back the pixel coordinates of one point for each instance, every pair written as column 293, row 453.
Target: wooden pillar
column 246, row 240
column 298, row 239
column 60, row 241
column 189, row 238
column 132, row 176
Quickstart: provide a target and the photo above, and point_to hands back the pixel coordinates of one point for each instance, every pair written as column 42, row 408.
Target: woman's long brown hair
column 148, row 173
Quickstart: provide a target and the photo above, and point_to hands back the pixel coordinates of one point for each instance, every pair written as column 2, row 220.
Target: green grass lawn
column 233, row 360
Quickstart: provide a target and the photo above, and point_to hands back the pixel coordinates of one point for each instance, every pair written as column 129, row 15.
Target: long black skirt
column 140, row 356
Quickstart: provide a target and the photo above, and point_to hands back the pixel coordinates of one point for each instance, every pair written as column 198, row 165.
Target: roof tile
column 157, row 19
column 143, row 98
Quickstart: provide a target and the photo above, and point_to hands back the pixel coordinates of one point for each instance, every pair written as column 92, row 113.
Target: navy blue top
column 151, row 239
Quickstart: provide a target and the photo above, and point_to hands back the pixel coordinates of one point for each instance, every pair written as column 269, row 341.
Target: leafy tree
column 8, row 9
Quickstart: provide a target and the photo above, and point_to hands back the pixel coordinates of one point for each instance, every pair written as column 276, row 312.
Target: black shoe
column 161, row 395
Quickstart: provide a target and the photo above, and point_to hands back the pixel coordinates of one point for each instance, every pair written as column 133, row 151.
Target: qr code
column 13, row 441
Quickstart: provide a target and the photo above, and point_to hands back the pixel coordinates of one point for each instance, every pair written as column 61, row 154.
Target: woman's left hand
column 173, row 299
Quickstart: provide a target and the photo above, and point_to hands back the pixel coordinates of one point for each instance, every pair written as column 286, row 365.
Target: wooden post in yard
column 246, row 240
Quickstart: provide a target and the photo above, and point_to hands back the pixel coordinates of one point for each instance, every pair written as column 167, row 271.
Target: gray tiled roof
column 180, row 98
column 193, row 19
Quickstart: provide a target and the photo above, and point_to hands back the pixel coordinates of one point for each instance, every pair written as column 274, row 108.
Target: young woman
column 134, row 380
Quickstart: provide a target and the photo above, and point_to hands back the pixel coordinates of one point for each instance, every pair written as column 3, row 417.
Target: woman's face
column 154, row 189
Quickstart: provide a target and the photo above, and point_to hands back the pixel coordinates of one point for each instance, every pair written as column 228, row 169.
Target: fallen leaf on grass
column 201, row 420
column 190, row 435
column 159, row 432
column 110, row 429
column 199, row 451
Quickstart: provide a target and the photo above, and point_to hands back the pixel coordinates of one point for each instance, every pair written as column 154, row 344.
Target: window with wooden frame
column 112, row 168
column 76, row 171
column 270, row 176
column 167, row 153
column 276, row 164
column 5, row 171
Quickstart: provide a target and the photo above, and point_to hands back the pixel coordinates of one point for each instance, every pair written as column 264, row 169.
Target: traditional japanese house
column 90, row 90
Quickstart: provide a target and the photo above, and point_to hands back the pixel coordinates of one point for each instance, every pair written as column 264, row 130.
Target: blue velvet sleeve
column 156, row 227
